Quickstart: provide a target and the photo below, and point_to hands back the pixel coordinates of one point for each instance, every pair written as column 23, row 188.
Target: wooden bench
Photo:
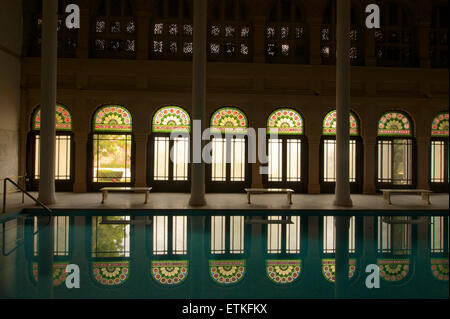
column 105, row 191
column 288, row 191
column 425, row 194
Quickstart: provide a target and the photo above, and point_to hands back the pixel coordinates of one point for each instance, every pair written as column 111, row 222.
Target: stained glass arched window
column 113, row 118
column 229, row 120
column 286, row 150
column 63, row 119
column 329, row 124
column 394, row 124
column 171, row 119
column 112, row 147
column 169, row 171
column 228, row 154
column 329, row 148
column 440, row 176
column 440, row 125
column 395, row 149
column 63, row 149
column 285, row 121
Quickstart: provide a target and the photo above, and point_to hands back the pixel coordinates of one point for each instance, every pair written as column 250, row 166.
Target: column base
column 197, row 202
column 343, row 202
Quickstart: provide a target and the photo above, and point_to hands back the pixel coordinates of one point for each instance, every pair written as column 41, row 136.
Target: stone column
column 198, row 103
column 48, row 101
column 342, row 193
column 45, row 251
column 342, row 197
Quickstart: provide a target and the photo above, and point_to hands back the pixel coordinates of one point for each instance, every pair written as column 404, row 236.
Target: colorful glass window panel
column 171, row 119
column 329, row 124
column 113, row 118
column 394, row 124
column 229, row 119
column 440, row 126
column 63, row 119
column 285, row 122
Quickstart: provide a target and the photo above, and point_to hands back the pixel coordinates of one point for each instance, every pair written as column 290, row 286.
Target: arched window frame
column 327, row 184
column 229, row 137
column 122, row 132
column 287, row 140
column 113, row 36
column 387, row 139
column 286, row 40
column 64, row 150
column 160, row 135
column 439, row 153
column 171, row 33
column 230, row 38
column 396, row 40
column 328, row 36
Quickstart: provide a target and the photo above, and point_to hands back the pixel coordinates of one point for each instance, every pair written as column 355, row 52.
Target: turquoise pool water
column 219, row 254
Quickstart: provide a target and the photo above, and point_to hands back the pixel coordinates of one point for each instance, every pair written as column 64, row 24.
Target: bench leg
column 289, row 195
column 248, row 198
column 426, row 198
column 387, row 197
column 104, row 196
column 146, row 197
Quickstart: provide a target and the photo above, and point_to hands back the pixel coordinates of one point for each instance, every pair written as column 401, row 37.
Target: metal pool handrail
column 23, row 192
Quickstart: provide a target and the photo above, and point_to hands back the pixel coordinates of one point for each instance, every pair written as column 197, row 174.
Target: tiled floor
column 230, row 201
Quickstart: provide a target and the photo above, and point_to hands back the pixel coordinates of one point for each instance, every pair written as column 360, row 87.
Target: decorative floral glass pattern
column 229, row 119
column 171, row 119
column 110, row 274
column 59, row 273
column 112, row 118
column 170, row 273
column 329, row 124
column 394, row 124
column 393, row 270
column 283, row 271
column 227, row 272
column 285, row 122
column 63, row 119
column 329, row 269
column 439, row 269
column 440, row 126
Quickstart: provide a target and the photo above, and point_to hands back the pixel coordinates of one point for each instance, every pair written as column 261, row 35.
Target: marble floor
column 180, row 201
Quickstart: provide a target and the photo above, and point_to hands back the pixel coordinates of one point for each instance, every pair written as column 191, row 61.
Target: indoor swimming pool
column 182, row 254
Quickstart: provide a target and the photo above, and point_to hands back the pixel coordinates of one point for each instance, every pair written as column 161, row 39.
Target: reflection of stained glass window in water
column 394, row 238
column 329, row 235
column 110, row 240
